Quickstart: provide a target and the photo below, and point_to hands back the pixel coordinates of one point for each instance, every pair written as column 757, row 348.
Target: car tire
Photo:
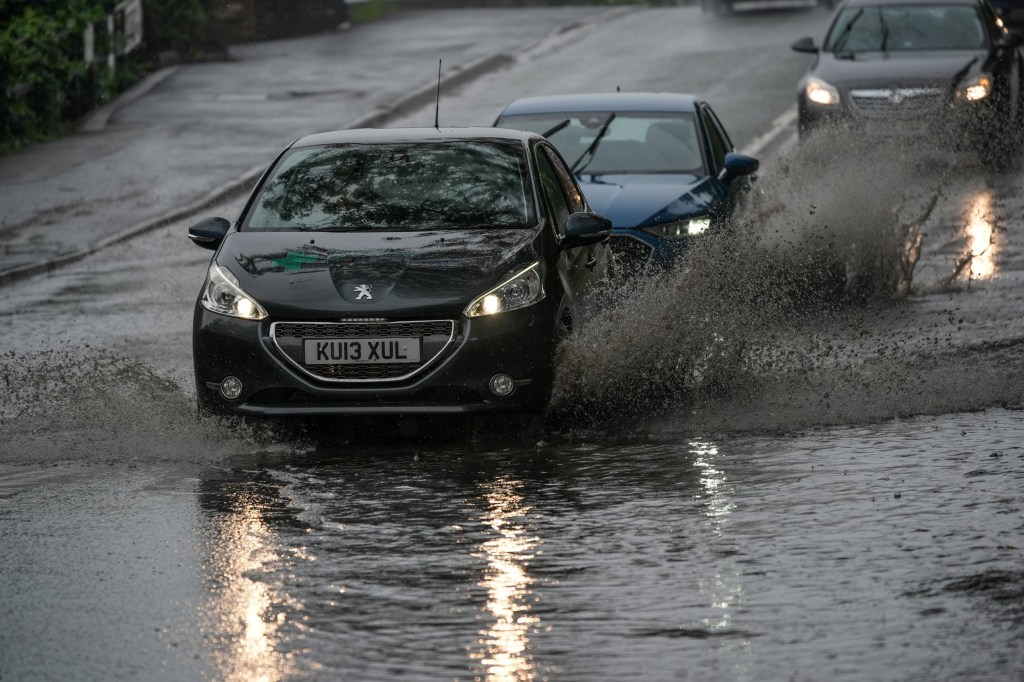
column 804, row 128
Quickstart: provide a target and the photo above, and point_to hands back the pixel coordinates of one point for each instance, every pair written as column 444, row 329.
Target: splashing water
column 830, row 233
column 73, row 403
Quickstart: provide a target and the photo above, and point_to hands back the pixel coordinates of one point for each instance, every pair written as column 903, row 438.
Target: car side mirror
column 737, row 165
column 1010, row 41
column 209, row 232
column 805, row 44
column 582, row 229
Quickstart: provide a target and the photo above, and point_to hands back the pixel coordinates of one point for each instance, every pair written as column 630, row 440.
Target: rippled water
column 677, row 516
column 884, row 553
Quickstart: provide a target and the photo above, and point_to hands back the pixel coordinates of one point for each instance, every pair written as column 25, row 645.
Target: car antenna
column 437, row 102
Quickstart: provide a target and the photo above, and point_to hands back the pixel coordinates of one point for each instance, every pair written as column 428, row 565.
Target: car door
column 719, row 145
column 576, row 267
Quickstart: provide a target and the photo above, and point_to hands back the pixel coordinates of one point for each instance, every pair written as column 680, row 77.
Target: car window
column 551, row 186
column 720, row 129
column 719, row 148
column 907, row 27
column 397, row 186
column 569, row 186
column 635, row 142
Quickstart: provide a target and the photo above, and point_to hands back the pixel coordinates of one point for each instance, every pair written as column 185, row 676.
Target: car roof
column 388, row 135
column 603, row 101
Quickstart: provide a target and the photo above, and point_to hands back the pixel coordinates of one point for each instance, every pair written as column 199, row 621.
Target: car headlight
column 223, row 295
column 524, row 288
column 680, row 229
column 977, row 88
column 820, row 92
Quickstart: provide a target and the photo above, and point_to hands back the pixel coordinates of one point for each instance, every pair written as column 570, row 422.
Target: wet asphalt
column 201, row 130
column 846, row 505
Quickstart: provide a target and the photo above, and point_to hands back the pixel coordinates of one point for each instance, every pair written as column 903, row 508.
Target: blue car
column 659, row 165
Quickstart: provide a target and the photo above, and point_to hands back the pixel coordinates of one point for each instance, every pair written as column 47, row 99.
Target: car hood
column 332, row 274
column 639, row 200
column 909, row 69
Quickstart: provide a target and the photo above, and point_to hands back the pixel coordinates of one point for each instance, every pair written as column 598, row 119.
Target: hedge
column 45, row 82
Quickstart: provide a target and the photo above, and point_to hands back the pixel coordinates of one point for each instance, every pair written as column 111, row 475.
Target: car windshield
column 633, row 143
column 896, row 28
column 399, row 186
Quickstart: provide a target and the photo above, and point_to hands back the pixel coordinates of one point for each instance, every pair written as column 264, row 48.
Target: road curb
column 244, row 182
column 427, row 93
column 98, row 119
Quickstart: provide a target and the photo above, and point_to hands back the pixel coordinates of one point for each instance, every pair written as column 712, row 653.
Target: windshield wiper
column 575, row 168
column 554, row 129
column 841, row 40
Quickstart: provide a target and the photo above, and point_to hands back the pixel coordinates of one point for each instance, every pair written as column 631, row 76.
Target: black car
column 416, row 271
column 944, row 68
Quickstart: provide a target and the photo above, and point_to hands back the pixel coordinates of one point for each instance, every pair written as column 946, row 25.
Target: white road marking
column 784, row 120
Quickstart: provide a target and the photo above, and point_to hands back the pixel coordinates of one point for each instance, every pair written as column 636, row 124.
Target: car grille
column 435, row 336
column 449, row 395
column 631, row 254
column 899, row 102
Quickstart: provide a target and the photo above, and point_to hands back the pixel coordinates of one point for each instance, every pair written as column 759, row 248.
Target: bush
column 178, row 25
column 45, row 82
column 41, row 65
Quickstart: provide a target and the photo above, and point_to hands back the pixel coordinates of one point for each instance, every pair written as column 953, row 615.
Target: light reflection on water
column 980, row 233
column 243, row 615
column 723, row 590
column 503, row 648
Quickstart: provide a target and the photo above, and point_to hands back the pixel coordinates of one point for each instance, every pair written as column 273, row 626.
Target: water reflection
column 244, row 615
column 980, row 233
column 723, row 590
column 504, row 646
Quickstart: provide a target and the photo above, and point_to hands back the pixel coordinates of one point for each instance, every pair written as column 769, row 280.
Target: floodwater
column 887, row 552
column 746, row 475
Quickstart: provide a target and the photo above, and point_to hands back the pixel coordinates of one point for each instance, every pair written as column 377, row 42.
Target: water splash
column 82, row 404
column 831, row 232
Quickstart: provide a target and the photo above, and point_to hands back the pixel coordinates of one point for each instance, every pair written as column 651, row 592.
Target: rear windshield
column 907, row 27
column 400, row 186
column 635, row 142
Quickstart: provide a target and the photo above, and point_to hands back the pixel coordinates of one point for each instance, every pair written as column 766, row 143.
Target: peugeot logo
column 364, row 291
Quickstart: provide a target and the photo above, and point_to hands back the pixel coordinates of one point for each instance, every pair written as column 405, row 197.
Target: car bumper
column 519, row 343
column 637, row 251
column 964, row 123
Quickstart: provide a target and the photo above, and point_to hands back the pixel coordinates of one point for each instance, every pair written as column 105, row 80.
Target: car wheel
column 804, row 128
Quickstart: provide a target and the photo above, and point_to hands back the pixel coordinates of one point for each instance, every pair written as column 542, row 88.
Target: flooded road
column 744, row 476
column 888, row 552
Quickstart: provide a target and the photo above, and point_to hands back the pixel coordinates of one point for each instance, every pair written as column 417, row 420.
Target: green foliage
column 45, row 83
column 369, row 11
column 174, row 25
column 42, row 74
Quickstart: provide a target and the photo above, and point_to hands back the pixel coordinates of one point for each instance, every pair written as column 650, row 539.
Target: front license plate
column 360, row 351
